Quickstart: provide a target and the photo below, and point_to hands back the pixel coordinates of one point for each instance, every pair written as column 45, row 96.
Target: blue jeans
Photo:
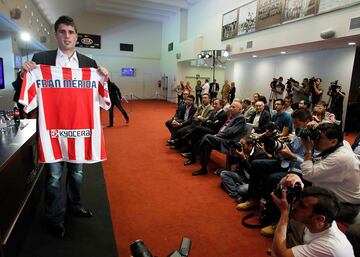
column 54, row 198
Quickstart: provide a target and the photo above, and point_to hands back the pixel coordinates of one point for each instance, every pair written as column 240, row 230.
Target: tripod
column 272, row 97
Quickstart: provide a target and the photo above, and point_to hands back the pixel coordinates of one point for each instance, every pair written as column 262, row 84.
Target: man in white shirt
column 64, row 56
column 316, row 209
column 205, row 87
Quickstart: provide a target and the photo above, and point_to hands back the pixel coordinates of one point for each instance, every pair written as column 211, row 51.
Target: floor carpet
column 155, row 198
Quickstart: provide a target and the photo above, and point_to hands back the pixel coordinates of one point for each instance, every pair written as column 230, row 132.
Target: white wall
column 254, row 75
column 146, row 37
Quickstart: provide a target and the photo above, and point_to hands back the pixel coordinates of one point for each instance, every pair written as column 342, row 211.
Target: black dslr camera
column 313, row 134
column 235, row 145
column 292, row 193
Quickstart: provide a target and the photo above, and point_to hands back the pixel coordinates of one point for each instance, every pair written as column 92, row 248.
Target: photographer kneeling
column 316, row 210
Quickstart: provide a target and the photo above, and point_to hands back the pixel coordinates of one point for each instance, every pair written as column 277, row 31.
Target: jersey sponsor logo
column 70, row 133
column 73, row 83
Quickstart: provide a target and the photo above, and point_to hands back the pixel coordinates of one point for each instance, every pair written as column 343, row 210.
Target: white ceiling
column 153, row 10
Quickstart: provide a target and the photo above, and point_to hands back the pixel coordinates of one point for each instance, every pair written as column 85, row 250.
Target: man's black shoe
column 84, row 213
column 186, row 155
column 57, row 229
column 189, row 162
column 199, row 172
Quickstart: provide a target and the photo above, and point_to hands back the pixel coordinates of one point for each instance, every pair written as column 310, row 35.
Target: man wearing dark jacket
column 115, row 97
column 233, row 129
column 260, row 118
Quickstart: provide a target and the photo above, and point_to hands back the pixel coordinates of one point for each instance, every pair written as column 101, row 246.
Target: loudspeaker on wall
column 327, row 34
column 178, row 56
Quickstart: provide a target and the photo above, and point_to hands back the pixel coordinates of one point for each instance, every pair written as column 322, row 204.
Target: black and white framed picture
column 247, row 18
column 268, row 13
column 230, row 24
column 298, row 9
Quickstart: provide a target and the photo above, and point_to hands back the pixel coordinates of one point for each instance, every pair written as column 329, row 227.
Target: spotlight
column 200, row 56
column 25, row 36
column 207, row 55
column 226, row 54
column 283, row 52
column 254, row 56
column 351, row 43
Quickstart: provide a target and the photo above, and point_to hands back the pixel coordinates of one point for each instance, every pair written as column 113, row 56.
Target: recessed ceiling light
column 254, row 56
column 351, row 43
column 283, row 52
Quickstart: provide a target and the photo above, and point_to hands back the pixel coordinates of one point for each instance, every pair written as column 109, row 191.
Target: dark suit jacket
column 181, row 114
column 264, row 120
column 235, row 130
column 49, row 58
column 216, row 121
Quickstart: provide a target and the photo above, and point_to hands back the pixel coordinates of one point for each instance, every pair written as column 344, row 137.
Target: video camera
column 139, row 249
column 333, row 86
column 289, row 84
column 273, row 83
column 292, row 193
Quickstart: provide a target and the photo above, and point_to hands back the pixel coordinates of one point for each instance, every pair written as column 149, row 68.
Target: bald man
column 260, row 118
column 232, row 131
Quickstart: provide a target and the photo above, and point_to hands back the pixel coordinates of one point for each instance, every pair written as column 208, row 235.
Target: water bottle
column 16, row 116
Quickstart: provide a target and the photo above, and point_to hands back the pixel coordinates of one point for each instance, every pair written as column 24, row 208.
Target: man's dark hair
column 332, row 131
column 206, row 94
column 280, row 100
column 192, row 97
column 249, row 140
column 302, row 114
column 263, row 99
column 288, row 98
column 306, row 79
column 328, row 204
column 306, row 103
column 319, row 79
column 247, row 101
column 206, row 80
column 222, row 103
column 65, row 20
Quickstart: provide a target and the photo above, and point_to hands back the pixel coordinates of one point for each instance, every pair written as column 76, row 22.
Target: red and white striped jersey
column 69, row 102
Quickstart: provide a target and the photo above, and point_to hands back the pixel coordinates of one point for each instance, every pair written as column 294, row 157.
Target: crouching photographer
column 314, row 212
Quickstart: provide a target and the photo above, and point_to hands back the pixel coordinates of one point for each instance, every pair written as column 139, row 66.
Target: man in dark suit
column 210, row 126
column 64, row 56
column 233, row 129
column 168, row 123
column 184, row 116
column 116, row 98
column 260, row 118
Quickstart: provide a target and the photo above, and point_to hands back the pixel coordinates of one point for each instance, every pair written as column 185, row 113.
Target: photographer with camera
column 336, row 100
column 336, row 167
column 316, row 210
column 242, row 154
column 316, row 92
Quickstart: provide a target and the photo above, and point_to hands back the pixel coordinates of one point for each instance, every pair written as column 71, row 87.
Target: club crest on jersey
column 70, row 133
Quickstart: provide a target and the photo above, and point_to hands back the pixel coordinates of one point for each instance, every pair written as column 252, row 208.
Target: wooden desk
column 19, row 184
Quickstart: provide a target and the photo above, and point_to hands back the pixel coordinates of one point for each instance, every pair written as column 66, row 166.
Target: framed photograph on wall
column 268, row 13
column 298, row 9
column 247, row 18
column 331, row 5
column 230, row 24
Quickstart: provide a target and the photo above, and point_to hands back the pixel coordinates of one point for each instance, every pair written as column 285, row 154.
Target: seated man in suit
column 233, row 130
column 168, row 123
column 211, row 126
column 260, row 118
column 185, row 115
column 202, row 114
